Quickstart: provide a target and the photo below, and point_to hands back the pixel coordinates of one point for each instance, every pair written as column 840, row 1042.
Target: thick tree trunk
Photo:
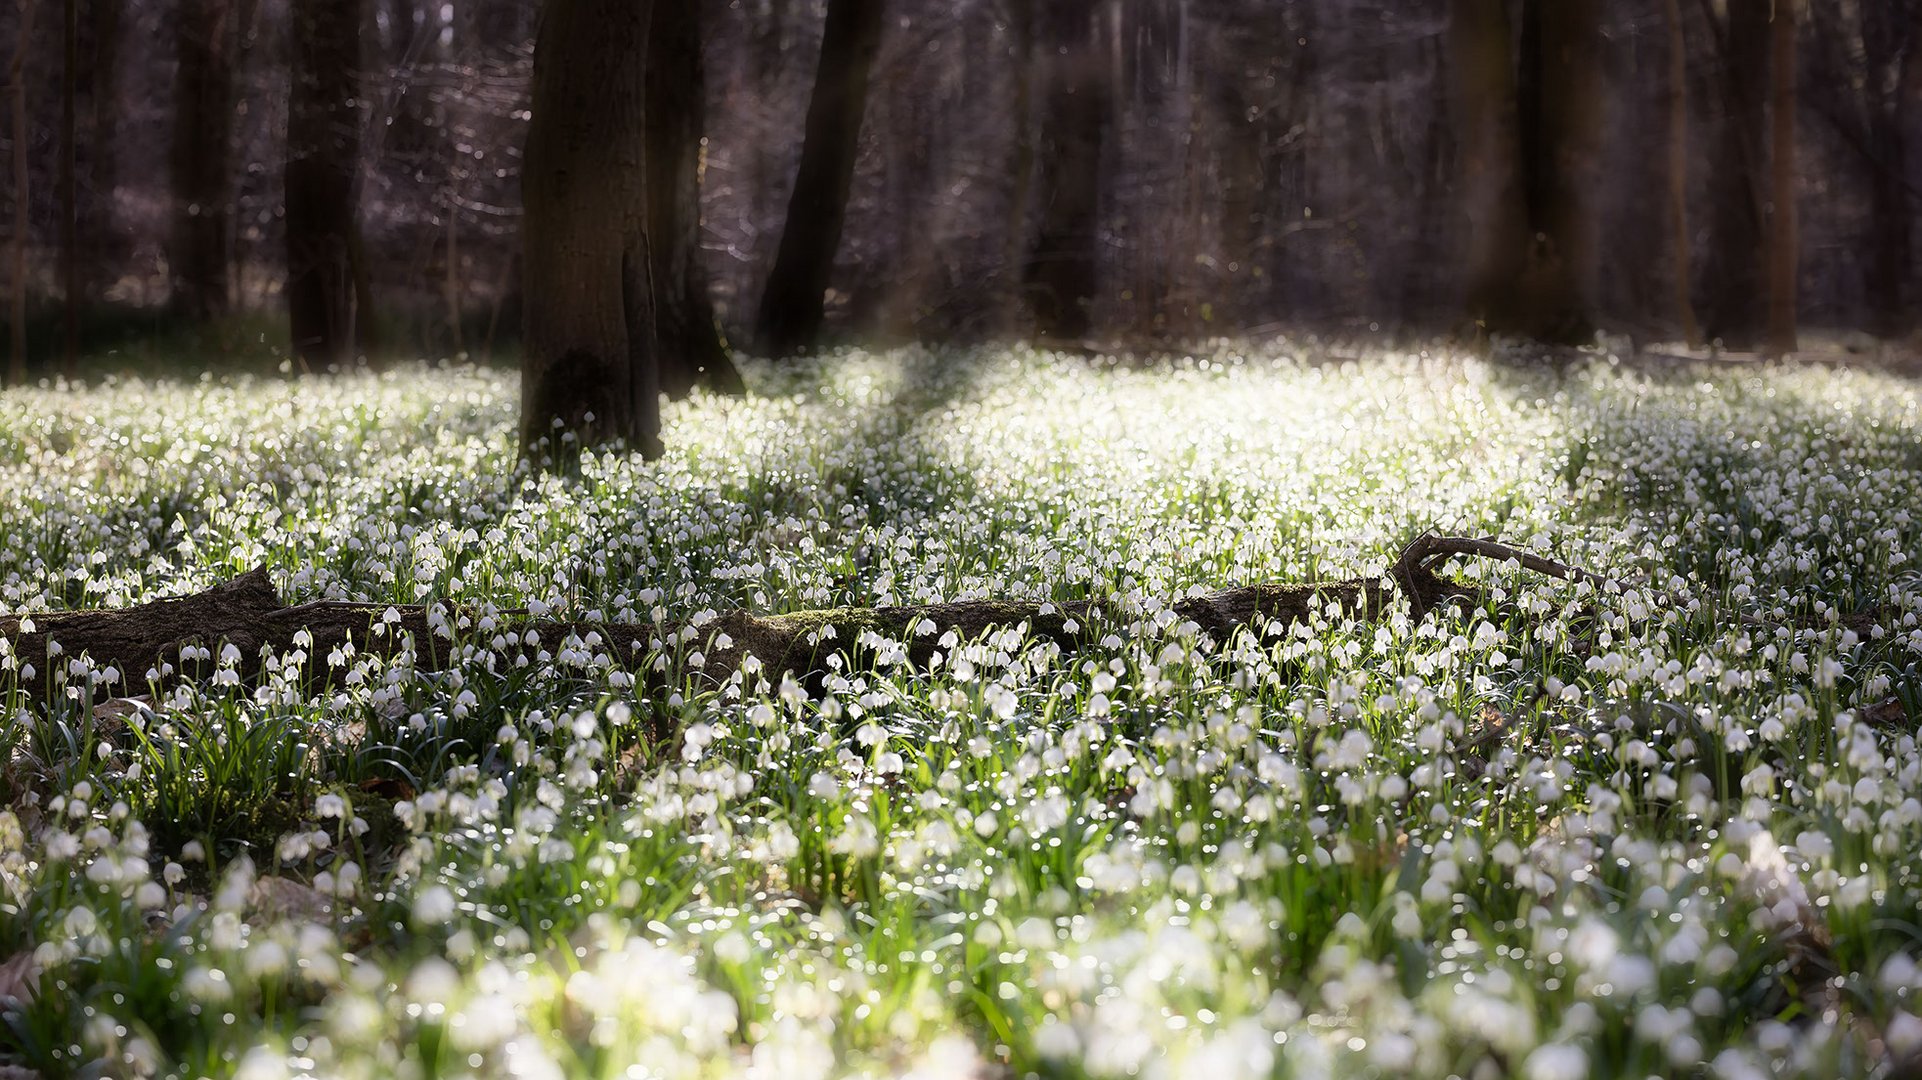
column 1678, row 169
column 203, row 127
column 794, row 303
column 17, row 307
column 1062, row 270
column 323, row 148
column 1733, row 290
column 691, row 352
column 588, row 377
column 1784, row 247
column 1484, row 104
column 1527, row 136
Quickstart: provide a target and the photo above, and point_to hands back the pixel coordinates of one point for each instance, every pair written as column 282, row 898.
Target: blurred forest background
column 1112, row 172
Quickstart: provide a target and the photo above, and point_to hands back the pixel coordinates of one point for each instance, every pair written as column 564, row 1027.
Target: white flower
column 1555, row 1061
column 433, row 906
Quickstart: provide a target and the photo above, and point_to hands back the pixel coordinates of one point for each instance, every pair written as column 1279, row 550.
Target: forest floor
column 1672, row 825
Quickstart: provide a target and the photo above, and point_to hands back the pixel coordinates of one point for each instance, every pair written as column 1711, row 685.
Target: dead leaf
column 18, row 976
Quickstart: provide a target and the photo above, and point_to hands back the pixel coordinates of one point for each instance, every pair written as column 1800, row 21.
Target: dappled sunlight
column 1668, row 825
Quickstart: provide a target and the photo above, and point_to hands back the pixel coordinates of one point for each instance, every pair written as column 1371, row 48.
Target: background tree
column 1864, row 85
column 1062, row 269
column 1310, row 166
column 1784, row 249
column 17, row 90
column 69, row 192
column 1677, row 166
column 100, row 242
column 588, row 373
column 1734, row 287
column 1526, row 113
column 199, row 164
column 793, row 304
column 691, row 351
column 323, row 147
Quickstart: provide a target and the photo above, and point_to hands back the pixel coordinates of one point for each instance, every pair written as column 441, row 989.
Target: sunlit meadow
column 1669, row 829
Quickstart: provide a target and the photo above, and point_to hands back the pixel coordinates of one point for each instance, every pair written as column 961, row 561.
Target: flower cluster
column 1671, row 825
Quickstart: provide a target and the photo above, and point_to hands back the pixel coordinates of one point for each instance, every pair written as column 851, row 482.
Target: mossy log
column 248, row 613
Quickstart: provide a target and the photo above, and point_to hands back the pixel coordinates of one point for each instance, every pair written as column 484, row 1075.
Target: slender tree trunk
column 17, row 83
column 1022, row 154
column 1783, row 246
column 1889, row 245
column 1732, row 307
column 323, row 146
column 1062, row 271
column 794, row 303
column 1908, row 107
column 1892, row 47
column 588, row 377
column 691, row 351
column 203, row 128
column 1678, row 169
column 451, row 279
column 97, row 221
column 1561, row 86
column 69, row 204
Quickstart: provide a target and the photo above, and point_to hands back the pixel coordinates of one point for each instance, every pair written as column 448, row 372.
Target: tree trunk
column 1733, row 286
column 1908, row 108
column 1783, row 246
column 323, row 148
column 69, row 197
column 203, row 126
column 1063, row 265
column 17, row 84
column 1678, row 169
column 691, row 352
column 794, row 303
column 99, row 241
column 588, row 377
column 1893, row 49
column 1021, row 154
column 1485, row 122
column 1526, row 120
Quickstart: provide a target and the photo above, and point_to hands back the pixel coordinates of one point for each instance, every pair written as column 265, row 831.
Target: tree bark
column 1021, row 153
column 1529, row 276
column 99, row 238
column 1678, row 169
column 1892, row 48
column 323, row 148
column 202, row 186
column 794, row 303
column 1733, row 285
column 1783, row 247
column 1484, row 103
column 1062, row 270
column 69, row 196
column 588, row 376
column 691, row 352
column 17, row 84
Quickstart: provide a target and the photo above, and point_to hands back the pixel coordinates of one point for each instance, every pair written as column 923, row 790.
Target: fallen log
column 152, row 642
